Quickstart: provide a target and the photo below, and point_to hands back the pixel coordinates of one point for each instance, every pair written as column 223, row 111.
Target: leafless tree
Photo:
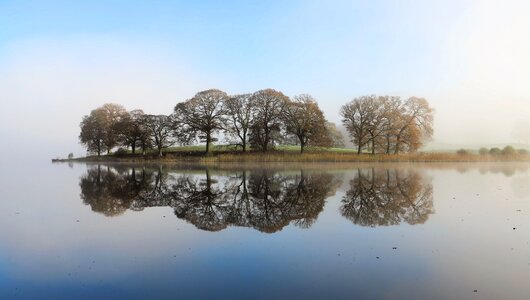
column 92, row 133
column 336, row 137
column 161, row 129
column 203, row 114
column 357, row 117
column 266, row 126
column 240, row 115
column 304, row 119
column 415, row 124
column 387, row 122
column 100, row 129
column 134, row 131
column 113, row 114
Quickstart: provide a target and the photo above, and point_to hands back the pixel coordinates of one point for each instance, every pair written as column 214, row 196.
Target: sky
column 61, row 59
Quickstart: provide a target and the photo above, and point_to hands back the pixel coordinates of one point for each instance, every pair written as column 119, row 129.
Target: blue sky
column 60, row 59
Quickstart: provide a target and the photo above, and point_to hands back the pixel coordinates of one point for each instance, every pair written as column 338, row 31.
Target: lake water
column 380, row 231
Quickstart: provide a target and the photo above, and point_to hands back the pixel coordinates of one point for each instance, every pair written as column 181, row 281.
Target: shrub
column 522, row 151
column 495, row 151
column 508, row 150
column 483, row 151
column 462, row 152
column 121, row 152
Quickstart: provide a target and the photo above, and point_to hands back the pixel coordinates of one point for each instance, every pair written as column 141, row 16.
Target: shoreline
column 289, row 157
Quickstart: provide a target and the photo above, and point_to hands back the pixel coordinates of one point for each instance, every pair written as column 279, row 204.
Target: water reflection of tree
column 111, row 190
column 388, row 197
column 264, row 200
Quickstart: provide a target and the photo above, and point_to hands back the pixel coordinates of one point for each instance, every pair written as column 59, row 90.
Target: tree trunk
column 244, row 140
column 373, row 146
column 266, row 140
column 160, row 151
column 398, row 141
column 302, row 144
column 133, row 147
column 359, row 149
column 208, row 137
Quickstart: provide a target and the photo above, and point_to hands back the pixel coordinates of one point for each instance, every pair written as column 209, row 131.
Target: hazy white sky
column 59, row 60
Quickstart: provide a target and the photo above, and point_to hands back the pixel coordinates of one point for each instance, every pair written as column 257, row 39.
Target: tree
column 306, row 121
column 415, row 124
column 392, row 112
column 336, row 137
column 161, row 129
column 509, row 151
column 133, row 131
column 93, row 132
column 387, row 122
column 378, row 120
column 112, row 116
column 266, row 126
column 240, row 111
column 203, row 114
column 357, row 117
column 495, row 151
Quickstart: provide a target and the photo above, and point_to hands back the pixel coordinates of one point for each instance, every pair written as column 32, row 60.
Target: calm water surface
column 418, row 231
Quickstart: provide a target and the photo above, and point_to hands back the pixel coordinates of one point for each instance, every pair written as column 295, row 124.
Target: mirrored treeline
column 264, row 199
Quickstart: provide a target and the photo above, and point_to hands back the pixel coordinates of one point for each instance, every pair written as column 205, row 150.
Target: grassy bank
column 353, row 157
column 223, row 155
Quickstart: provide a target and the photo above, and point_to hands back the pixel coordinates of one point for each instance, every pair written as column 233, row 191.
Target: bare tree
column 161, row 129
column 203, row 114
column 377, row 114
column 393, row 111
column 357, row 117
column 336, row 137
column 415, row 124
column 306, row 121
column 113, row 114
column 267, row 123
column 240, row 111
column 133, row 131
column 100, row 130
column 387, row 122
column 92, row 133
